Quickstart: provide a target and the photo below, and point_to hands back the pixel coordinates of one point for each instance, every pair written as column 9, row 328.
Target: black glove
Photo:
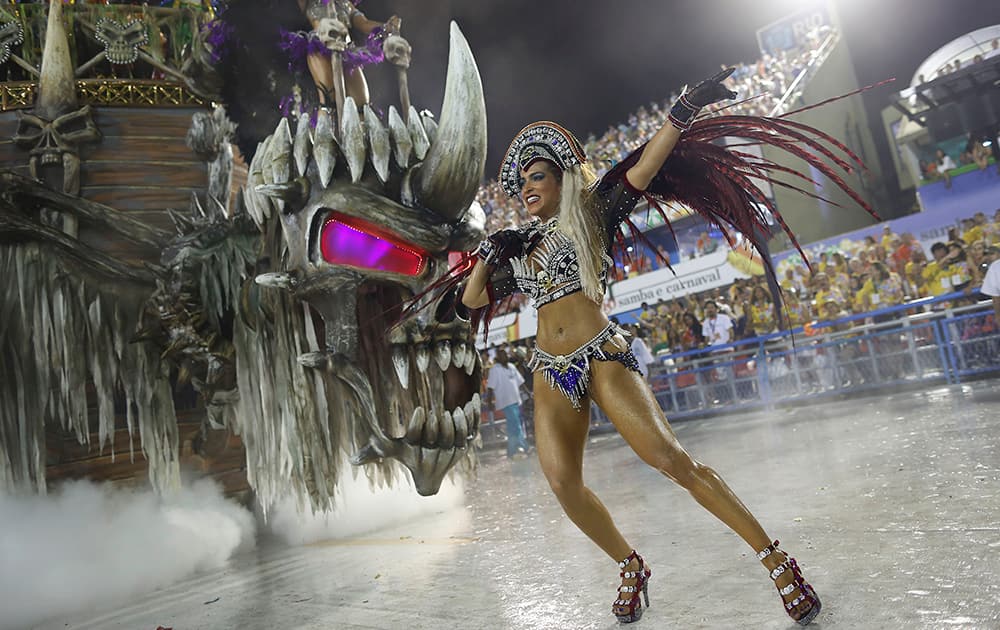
column 500, row 247
column 709, row 91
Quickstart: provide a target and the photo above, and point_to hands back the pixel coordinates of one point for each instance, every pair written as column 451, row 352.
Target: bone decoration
column 418, row 135
column 371, row 141
column 353, row 140
column 378, row 140
column 324, row 147
column 302, row 146
column 402, row 143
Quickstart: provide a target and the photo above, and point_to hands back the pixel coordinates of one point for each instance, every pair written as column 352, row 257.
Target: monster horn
column 447, row 180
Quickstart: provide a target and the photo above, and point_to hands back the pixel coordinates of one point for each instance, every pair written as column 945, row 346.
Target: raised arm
column 682, row 116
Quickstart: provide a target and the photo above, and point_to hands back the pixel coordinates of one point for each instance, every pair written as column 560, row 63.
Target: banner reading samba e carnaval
column 717, row 269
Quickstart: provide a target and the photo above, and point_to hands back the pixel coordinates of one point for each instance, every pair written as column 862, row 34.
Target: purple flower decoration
column 298, row 45
column 370, row 53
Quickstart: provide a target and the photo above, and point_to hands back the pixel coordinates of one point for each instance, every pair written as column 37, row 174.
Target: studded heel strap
column 628, row 607
column 798, row 583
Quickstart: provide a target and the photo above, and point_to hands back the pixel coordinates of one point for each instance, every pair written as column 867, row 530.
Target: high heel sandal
column 629, row 609
column 806, row 592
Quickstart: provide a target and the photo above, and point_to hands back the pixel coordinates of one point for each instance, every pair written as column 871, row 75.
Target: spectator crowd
column 856, row 277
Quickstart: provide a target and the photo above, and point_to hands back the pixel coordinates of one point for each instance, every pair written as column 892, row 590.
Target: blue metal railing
column 913, row 344
column 923, row 341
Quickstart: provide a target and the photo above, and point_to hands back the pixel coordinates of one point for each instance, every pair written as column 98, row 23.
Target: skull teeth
column 446, row 429
column 401, row 363
column 353, row 140
column 423, row 357
column 421, row 143
column 324, row 150
column 471, row 357
column 276, row 279
column 477, row 410
column 378, row 140
column 461, row 425
column 401, row 139
column 442, row 354
column 302, row 146
column 416, row 425
column 458, row 354
column 431, row 426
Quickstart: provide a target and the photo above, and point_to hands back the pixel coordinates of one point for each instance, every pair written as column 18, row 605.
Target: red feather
column 717, row 181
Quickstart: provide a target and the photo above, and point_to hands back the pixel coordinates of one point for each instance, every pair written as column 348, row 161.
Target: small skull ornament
column 544, row 280
column 333, row 34
column 11, row 34
column 397, row 51
column 561, row 364
column 121, row 41
column 53, row 142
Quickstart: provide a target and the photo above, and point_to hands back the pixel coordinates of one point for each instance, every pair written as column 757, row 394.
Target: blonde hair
column 580, row 220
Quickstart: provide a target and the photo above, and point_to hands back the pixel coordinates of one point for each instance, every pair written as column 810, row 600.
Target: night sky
column 588, row 64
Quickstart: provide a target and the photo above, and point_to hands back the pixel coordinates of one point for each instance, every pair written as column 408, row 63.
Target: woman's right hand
column 500, row 247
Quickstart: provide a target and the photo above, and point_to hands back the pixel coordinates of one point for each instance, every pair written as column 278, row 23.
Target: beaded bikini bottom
column 570, row 373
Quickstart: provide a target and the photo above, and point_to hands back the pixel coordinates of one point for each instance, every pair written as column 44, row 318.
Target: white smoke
column 86, row 546
column 360, row 510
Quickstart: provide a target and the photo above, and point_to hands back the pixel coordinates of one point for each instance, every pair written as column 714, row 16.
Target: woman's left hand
column 711, row 90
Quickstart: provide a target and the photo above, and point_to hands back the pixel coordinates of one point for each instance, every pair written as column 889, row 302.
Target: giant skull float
column 368, row 212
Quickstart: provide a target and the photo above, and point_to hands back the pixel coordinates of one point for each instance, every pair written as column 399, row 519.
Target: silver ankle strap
column 631, row 556
column 766, row 551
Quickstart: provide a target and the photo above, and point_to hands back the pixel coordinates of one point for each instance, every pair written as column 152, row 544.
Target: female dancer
column 560, row 261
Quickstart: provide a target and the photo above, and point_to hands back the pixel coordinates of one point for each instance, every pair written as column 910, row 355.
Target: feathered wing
column 717, row 181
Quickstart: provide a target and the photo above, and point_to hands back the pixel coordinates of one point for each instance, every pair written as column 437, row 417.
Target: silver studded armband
column 501, row 283
column 683, row 113
column 488, row 252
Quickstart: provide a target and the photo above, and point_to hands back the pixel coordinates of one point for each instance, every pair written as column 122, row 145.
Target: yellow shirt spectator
column 881, row 294
column 973, row 234
column 797, row 312
column 832, row 294
column 762, row 318
column 933, row 275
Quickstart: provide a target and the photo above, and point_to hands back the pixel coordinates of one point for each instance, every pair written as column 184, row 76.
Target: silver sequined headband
column 539, row 140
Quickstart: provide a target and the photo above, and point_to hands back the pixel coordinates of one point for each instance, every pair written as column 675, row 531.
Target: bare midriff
column 569, row 322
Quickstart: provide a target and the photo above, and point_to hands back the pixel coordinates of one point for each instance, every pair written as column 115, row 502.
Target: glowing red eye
column 350, row 241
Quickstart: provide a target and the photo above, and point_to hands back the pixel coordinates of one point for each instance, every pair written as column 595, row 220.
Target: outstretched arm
column 682, row 115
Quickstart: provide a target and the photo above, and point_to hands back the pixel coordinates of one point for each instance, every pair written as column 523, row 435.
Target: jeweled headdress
column 539, row 140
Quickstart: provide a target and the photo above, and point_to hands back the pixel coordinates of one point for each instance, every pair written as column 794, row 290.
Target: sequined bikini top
column 550, row 268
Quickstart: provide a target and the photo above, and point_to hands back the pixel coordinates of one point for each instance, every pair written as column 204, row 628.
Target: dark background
column 589, row 64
